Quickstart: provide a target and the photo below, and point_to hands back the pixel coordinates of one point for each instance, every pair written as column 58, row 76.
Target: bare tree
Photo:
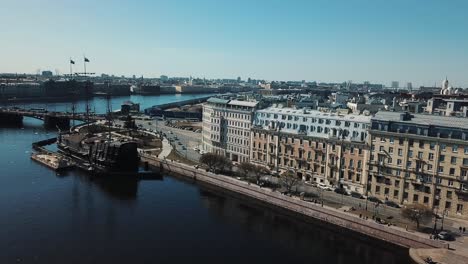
column 210, row 160
column 289, row 180
column 250, row 170
column 417, row 213
column 216, row 162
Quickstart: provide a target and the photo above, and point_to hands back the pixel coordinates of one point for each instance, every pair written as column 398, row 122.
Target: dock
column 53, row 161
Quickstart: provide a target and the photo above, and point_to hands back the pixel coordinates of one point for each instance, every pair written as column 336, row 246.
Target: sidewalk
column 166, row 149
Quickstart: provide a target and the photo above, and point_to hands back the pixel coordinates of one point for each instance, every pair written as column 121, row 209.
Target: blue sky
column 374, row 40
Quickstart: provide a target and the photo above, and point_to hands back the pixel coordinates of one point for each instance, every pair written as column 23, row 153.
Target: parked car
column 357, row 195
column 392, row 204
column 374, row 200
column 341, row 191
column 324, row 187
column 447, row 236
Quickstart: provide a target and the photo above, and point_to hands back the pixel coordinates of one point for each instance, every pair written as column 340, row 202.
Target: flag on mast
column 86, row 59
column 72, row 61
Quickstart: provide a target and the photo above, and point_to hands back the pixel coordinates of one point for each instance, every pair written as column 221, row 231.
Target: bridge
column 14, row 116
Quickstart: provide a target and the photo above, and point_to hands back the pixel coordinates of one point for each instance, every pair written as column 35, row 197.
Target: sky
column 314, row 40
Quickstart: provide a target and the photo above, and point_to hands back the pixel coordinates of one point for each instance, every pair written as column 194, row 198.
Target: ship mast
column 109, row 111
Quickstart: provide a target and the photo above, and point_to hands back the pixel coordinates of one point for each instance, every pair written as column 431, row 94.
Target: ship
column 99, row 154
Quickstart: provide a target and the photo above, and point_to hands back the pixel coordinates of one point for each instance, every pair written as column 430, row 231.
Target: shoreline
column 296, row 206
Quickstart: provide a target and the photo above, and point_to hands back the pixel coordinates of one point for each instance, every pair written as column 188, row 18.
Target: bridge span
column 14, row 116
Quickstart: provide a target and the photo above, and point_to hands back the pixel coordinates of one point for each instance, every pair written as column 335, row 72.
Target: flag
column 86, row 59
column 72, row 61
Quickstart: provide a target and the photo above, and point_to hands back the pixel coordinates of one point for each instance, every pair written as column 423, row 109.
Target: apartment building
column 226, row 127
column 417, row 158
column 317, row 146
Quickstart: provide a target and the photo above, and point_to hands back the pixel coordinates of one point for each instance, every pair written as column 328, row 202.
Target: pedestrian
column 460, row 229
column 464, row 230
column 360, row 215
column 406, row 227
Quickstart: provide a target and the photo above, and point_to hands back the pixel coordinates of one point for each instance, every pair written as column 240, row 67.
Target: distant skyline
column 325, row 41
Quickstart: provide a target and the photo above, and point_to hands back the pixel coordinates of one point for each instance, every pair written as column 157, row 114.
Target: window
column 443, row 147
column 397, row 183
column 441, row 169
column 421, row 144
column 452, row 171
column 400, row 152
column 426, row 199
column 448, row 205
column 466, row 149
column 390, row 150
column 453, row 160
column 381, row 148
column 432, row 146
column 450, row 183
column 449, row 195
column 431, row 156
column 392, row 140
column 442, row 158
column 455, row 148
column 429, row 167
column 415, row 198
column 465, row 161
column 459, row 208
column 377, row 189
column 399, row 162
column 410, row 153
column 420, row 155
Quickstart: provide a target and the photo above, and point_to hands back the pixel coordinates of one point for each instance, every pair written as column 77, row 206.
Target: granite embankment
column 293, row 204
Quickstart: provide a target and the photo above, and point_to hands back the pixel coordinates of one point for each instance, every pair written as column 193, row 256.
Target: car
column 357, row 195
column 180, row 143
column 170, row 132
column 447, row 236
column 392, row 204
column 202, row 151
column 184, row 148
column 374, row 200
column 196, row 149
column 341, row 191
column 324, row 187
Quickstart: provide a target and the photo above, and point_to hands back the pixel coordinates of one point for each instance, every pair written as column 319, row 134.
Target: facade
column 226, row 128
column 320, row 147
column 417, row 158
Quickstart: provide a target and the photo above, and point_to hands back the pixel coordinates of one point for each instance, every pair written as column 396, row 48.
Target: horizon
column 324, row 41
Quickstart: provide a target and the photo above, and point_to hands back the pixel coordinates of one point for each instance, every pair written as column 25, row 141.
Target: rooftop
column 315, row 113
column 422, row 119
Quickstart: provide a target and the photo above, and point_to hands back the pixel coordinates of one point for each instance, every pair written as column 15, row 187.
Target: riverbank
column 324, row 214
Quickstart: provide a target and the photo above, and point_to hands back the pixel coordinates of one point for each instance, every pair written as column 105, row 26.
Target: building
column 395, row 84
column 409, row 86
column 322, row 147
column 47, row 74
column 226, row 127
column 416, row 158
column 128, row 107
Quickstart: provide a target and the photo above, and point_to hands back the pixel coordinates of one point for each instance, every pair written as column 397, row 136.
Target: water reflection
column 316, row 241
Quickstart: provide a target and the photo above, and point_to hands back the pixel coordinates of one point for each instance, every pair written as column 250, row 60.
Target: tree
column 246, row 169
column 417, row 213
column 215, row 162
column 289, row 180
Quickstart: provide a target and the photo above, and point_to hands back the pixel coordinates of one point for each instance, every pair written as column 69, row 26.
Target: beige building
column 422, row 159
column 321, row 147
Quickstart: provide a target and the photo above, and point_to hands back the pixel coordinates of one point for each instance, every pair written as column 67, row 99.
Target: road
column 183, row 141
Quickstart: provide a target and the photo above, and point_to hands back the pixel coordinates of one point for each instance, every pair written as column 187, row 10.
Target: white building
column 314, row 123
column 226, row 128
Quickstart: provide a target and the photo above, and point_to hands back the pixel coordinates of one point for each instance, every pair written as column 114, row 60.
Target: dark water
column 49, row 218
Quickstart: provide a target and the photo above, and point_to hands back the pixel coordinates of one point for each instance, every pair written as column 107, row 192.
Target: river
column 69, row 218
